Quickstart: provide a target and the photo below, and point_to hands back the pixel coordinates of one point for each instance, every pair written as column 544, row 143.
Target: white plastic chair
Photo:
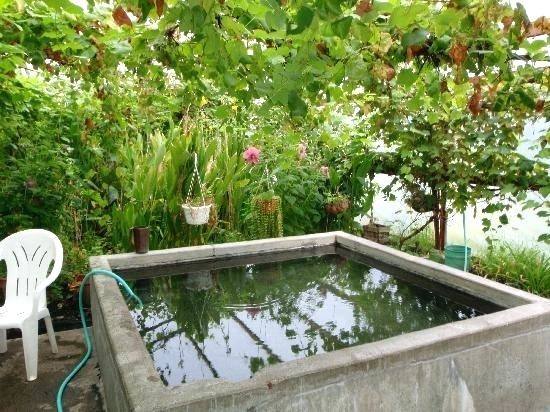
column 28, row 256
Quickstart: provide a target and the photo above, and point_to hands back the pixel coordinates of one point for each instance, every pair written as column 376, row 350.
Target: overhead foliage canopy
column 292, row 53
column 446, row 85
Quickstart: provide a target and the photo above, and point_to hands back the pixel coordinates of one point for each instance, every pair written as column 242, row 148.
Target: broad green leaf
column 65, row 5
column 296, row 105
column 145, row 6
column 447, row 20
column 404, row 16
column 433, row 117
column 303, row 19
column 341, row 27
column 233, row 26
column 276, row 20
column 406, row 78
column 416, row 37
column 534, row 46
column 526, row 99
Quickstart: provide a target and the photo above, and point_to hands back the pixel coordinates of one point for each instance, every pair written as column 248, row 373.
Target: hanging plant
column 195, row 209
column 419, row 200
column 266, row 216
column 336, row 204
column 266, row 213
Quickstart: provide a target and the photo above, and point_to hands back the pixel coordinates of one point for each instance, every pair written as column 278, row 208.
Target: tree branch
column 415, row 232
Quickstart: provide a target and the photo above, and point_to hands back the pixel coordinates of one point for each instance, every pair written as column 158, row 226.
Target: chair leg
column 3, row 341
column 29, row 330
column 51, row 333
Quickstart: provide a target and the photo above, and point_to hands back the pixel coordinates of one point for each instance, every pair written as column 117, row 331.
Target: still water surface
column 230, row 323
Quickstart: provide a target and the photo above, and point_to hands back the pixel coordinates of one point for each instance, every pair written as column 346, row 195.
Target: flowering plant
column 263, row 178
column 252, row 155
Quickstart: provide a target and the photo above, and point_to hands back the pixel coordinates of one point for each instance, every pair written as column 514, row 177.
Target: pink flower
column 324, row 171
column 302, row 151
column 252, row 155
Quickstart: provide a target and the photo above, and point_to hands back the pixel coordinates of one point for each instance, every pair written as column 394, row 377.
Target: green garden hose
column 59, row 398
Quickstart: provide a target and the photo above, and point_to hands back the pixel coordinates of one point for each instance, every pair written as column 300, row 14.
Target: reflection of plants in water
column 292, row 293
column 194, row 311
column 384, row 306
column 168, row 299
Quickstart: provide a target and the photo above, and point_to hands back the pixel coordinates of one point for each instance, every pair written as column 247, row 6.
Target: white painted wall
column 525, row 230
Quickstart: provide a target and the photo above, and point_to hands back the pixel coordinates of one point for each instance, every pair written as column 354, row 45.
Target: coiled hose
column 87, row 340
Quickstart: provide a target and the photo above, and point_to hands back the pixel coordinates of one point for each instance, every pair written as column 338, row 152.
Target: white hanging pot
column 196, row 215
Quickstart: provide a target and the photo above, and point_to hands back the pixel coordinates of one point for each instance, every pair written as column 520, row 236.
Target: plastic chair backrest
column 29, row 255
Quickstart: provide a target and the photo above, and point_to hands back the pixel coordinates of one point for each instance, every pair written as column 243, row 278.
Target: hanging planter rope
column 196, row 214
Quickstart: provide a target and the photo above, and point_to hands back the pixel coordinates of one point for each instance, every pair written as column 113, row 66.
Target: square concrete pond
column 465, row 343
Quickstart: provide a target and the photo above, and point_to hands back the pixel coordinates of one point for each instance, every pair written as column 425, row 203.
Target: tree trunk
column 436, row 219
column 440, row 220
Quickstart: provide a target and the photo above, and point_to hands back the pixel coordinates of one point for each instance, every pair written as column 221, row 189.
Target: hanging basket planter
column 337, row 206
column 196, row 211
column 268, row 205
column 267, row 217
column 196, row 215
column 419, row 200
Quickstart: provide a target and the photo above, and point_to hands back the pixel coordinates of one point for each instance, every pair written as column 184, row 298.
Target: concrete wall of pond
column 495, row 362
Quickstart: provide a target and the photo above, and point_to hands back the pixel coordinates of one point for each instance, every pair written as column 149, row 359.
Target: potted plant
column 336, row 204
column 266, row 211
column 266, row 216
column 196, row 209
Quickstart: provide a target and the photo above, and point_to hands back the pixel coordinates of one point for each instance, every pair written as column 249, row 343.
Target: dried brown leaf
column 121, row 17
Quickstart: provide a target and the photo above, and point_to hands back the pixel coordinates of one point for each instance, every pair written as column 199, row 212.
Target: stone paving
column 84, row 393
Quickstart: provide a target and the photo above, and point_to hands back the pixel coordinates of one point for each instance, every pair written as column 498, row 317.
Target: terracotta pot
column 140, row 239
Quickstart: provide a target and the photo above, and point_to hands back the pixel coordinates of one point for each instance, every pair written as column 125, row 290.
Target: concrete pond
column 464, row 343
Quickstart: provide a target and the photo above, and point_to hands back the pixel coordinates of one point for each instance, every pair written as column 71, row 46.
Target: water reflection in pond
column 230, row 323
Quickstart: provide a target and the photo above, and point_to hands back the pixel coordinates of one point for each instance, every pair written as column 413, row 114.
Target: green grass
column 519, row 266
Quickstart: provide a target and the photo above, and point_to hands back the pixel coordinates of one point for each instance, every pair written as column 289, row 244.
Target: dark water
column 231, row 322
